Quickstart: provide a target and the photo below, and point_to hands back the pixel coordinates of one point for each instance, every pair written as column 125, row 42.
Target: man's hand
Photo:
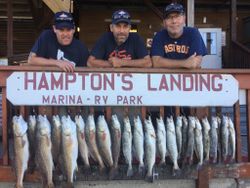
column 193, row 62
column 66, row 66
column 115, row 61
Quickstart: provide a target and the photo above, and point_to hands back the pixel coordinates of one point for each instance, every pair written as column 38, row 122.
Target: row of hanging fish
column 38, row 140
column 58, row 145
column 208, row 140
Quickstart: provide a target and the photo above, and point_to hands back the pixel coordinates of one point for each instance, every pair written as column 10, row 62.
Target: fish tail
column 113, row 172
column 130, row 171
column 141, row 168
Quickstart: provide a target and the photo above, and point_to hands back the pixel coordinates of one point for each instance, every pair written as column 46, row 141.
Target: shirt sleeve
column 98, row 51
column 84, row 55
column 39, row 48
column 157, row 48
column 197, row 44
column 141, row 49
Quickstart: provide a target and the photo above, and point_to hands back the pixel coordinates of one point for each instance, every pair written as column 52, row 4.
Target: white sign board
column 121, row 89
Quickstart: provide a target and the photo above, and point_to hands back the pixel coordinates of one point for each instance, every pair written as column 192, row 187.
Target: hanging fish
column 150, row 148
column 232, row 139
column 82, row 145
column 171, row 143
column 161, row 139
column 44, row 159
column 90, row 134
column 127, row 145
column 206, row 138
column 69, row 149
column 21, row 148
column 214, row 139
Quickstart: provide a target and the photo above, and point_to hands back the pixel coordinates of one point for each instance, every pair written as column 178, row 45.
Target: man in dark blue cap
column 177, row 46
column 58, row 47
column 119, row 48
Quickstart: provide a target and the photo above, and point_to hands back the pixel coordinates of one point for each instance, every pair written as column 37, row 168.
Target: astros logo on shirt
column 183, row 49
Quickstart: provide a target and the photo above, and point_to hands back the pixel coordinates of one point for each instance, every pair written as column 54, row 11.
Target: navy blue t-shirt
column 48, row 47
column 132, row 48
column 181, row 48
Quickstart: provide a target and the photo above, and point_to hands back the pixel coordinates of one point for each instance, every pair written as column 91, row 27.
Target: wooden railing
column 236, row 170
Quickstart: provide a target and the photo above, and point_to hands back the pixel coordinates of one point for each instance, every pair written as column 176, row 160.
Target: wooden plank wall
column 92, row 23
column 3, row 39
column 23, row 37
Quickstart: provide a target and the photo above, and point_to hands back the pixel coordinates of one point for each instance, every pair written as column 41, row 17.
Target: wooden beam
column 203, row 177
column 190, row 13
column 233, row 20
column 59, row 5
column 5, row 128
column 10, row 28
column 154, row 9
column 248, row 123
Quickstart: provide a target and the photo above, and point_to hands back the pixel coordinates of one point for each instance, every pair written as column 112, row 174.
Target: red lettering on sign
column 45, row 99
column 150, row 88
column 205, row 82
column 185, row 79
column 56, row 83
column 97, row 99
column 163, row 83
column 70, row 78
column 83, row 75
column 129, row 83
column 219, row 86
column 31, row 80
column 96, row 81
column 108, row 81
column 43, row 84
column 175, row 82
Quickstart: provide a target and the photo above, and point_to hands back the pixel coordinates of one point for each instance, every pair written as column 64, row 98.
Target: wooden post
column 203, row 177
column 162, row 112
column 108, row 113
column 23, row 111
column 233, row 20
column 143, row 112
column 177, row 111
column 10, row 28
column 248, row 123
column 237, row 128
column 5, row 128
column 190, row 13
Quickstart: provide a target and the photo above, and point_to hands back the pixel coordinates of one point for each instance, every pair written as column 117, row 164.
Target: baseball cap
column 173, row 7
column 121, row 16
column 63, row 20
